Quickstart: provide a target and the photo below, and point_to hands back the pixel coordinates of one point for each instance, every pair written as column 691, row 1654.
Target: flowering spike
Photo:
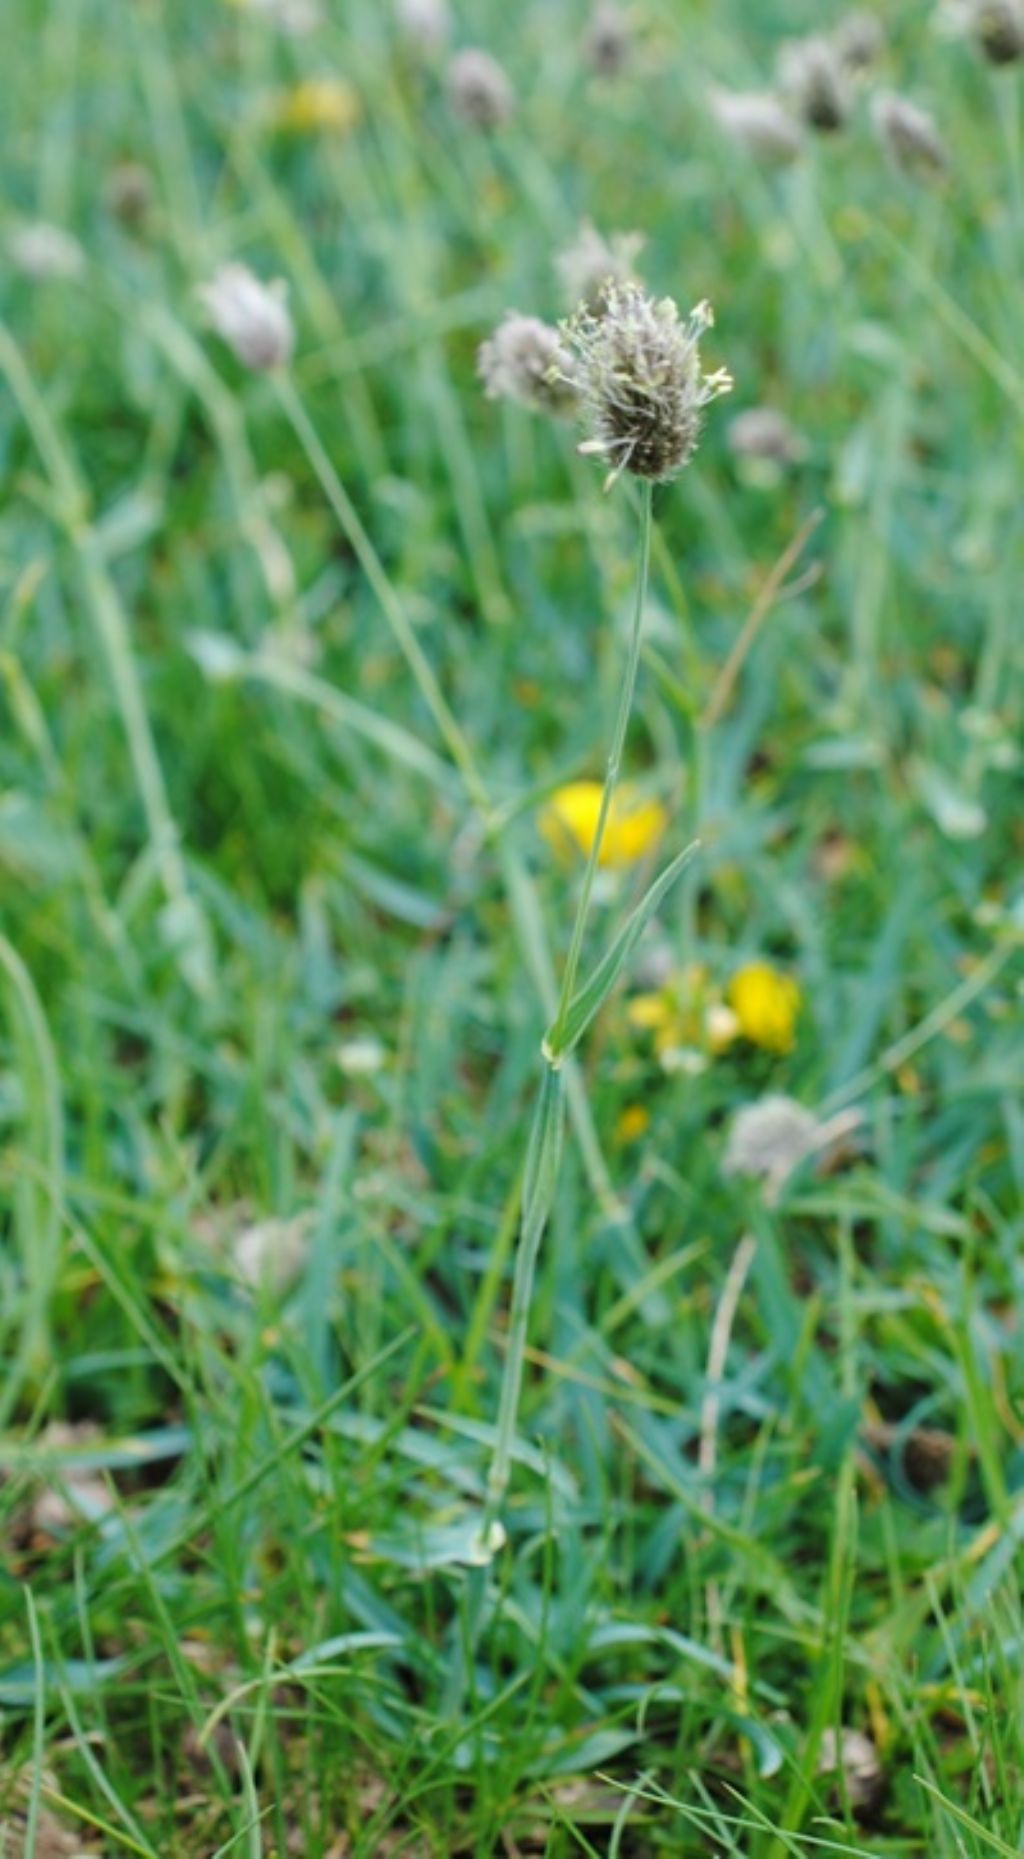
column 479, row 91
column 526, row 360
column 813, row 75
column 588, row 265
column 250, row 316
column 759, row 123
column 640, row 381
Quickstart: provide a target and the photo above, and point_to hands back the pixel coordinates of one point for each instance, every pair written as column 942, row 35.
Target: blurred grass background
column 270, row 1005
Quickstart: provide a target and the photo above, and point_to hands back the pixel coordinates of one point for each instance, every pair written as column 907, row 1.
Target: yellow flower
column 318, row 103
column 633, row 1121
column 686, row 1015
column 766, row 1004
column 569, row 820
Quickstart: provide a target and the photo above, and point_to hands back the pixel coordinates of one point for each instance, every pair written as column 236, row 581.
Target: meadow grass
column 291, row 671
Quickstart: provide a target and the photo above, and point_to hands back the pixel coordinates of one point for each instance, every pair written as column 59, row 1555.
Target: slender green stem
column 540, row 1180
column 518, row 882
column 611, row 775
column 557, row 1087
column 539, row 1186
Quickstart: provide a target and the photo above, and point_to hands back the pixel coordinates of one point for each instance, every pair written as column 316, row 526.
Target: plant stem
column 611, row 775
column 541, row 1174
column 559, row 1085
column 539, row 1185
column 517, row 880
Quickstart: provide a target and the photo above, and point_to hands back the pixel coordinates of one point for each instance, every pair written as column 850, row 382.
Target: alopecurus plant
column 631, row 367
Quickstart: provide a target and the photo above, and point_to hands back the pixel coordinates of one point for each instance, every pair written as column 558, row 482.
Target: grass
column 286, row 679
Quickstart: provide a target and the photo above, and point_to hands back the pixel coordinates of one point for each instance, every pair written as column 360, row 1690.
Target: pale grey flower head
column 526, row 360
column 426, row 24
column 591, row 263
column 996, row 26
column 909, row 136
column 250, row 316
column 766, row 436
column 759, row 122
column 812, row 75
column 479, row 91
column 859, row 40
column 608, row 41
column 42, row 252
column 856, row 1756
column 768, row 1139
column 641, row 384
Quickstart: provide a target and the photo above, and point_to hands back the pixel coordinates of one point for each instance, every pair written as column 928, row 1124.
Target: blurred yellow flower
column 685, row 1016
column 766, row 1004
column 632, row 1123
column 569, row 821
column 318, row 103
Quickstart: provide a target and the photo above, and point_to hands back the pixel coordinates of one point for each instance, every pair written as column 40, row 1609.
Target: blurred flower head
column 424, row 23
column 909, row 136
column 128, row 193
column 759, row 123
column 250, row 316
column 607, row 41
column 859, row 40
column 318, row 104
column 766, row 436
column 641, row 383
column 569, row 819
column 591, row 263
column 766, row 1004
column 768, row 1140
column 526, row 360
column 996, row 26
column 479, row 91
column 812, row 74
column 41, row 252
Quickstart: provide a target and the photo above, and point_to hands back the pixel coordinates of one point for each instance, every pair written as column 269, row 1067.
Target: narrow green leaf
column 559, row 1041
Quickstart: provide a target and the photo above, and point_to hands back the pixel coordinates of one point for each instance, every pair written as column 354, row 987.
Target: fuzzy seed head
column 759, row 123
column 591, row 263
column 426, row 24
column 909, row 136
column 859, row 40
column 768, row 1139
column 526, row 360
column 812, row 74
column 479, row 91
column 250, row 316
column 998, row 27
column 608, row 41
column 765, row 435
column 43, row 252
column 641, row 385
